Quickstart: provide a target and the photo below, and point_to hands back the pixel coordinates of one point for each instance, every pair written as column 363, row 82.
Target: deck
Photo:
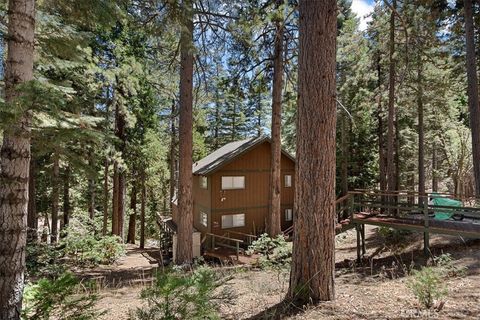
column 411, row 211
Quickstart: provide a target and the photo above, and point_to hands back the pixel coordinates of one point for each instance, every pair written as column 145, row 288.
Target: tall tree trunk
column 274, row 227
column 344, row 149
column 15, row 160
column 105, row 196
column 121, row 173
column 142, row 210
column 115, row 229
column 46, row 228
column 32, row 218
column 391, row 105
column 472, row 90
column 66, row 196
column 421, row 134
column 55, row 197
column 91, row 193
column 434, row 169
column 173, row 155
column 382, row 159
column 132, row 221
column 184, row 252
column 313, row 263
column 121, row 204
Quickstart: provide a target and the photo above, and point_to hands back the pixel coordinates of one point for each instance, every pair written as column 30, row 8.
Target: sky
column 361, row 9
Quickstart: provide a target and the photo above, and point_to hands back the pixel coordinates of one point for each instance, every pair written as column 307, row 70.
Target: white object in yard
column 195, row 246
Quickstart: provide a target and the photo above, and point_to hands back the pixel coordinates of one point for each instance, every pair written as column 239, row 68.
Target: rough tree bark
column 142, row 210
column 274, row 227
column 382, row 159
column 32, row 218
column 121, row 174
column 105, row 196
column 434, row 169
column 91, row 190
column 421, row 133
column 15, row 160
column 115, row 229
column 173, row 157
column 121, row 204
column 132, row 219
column 391, row 105
column 472, row 90
column 184, row 254
column 66, row 196
column 344, row 148
column 55, row 197
column 313, row 263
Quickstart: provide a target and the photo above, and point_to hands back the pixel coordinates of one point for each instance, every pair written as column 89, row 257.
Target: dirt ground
column 375, row 289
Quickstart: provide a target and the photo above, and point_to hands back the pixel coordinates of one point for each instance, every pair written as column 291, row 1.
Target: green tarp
column 445, row 213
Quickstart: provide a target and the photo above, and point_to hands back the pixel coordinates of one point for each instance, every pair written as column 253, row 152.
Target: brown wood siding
column 253, row 200
column 201, row 203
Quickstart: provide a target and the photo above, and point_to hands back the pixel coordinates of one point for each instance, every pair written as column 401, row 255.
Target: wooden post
column 362, row 230
column 426, row 235
column 351, row 206
column 357, row 226
column 238, row 248
column 213, row 241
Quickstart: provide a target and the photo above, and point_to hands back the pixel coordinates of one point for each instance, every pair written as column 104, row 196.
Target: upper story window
column 288, row 181
column 203, row 219
column 203, row 182
column 233, row 220
column 288, row 214
column 230, row 183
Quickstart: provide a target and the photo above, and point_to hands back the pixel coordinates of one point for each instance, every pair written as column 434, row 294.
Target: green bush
column 393, row 236
column 274, row 252
column 44, row 260
column 446, row 264
column 180, row 295
column 60, row 299
column 427, row 286
column 86, row 249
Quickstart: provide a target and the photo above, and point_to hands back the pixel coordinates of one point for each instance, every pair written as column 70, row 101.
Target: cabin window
column 230, row 183
column 203, row 182
column 288, row 181
column 203, row 219
column 233, row 220
column 288, row 214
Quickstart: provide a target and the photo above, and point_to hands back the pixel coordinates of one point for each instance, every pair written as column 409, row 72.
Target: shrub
column 427, row 286
column 446, row 264
column 393, row 236
column 180, row 295
column 86, row 248
column 58, row 299
column 275, row 252
column 44, row 260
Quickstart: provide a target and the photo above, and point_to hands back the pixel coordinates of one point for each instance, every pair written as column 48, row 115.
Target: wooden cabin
column 231, row 189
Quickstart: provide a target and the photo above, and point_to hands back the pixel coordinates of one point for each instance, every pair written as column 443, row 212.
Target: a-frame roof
column 229, row 152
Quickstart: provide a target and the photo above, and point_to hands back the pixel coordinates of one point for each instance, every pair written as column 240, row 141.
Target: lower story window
column 203, row 219
column 288, row 214
column 233, row 220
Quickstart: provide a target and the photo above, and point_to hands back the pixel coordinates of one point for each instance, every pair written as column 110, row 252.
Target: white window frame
column 233, row 220
column 233, row 182
column 288, row 180
column 203, row 219
column 203, row 181
column 289, row 214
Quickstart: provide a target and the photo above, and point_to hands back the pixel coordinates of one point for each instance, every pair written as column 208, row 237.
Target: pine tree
column 15, row 158
column 313, row 263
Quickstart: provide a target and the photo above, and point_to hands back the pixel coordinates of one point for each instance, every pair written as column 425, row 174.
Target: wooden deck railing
column 249, row 238
column 220, row 241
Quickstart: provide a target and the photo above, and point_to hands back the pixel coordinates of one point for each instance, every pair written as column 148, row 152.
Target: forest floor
column 376, row 289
